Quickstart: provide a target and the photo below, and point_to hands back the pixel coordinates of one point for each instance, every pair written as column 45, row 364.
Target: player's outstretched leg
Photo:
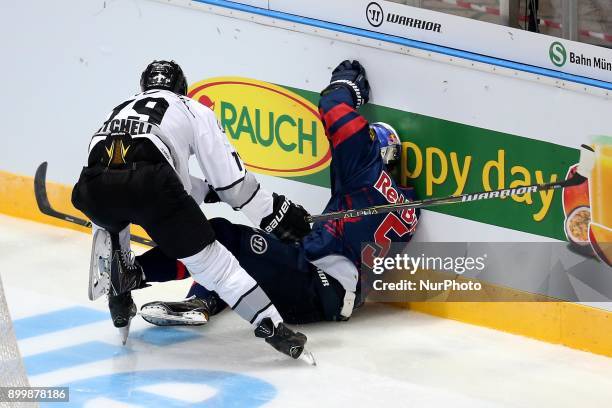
column 189, row 312
column 122, row 310
column 281, row 337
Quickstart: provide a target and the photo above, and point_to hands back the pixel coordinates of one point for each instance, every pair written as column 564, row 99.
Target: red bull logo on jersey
column 276, row 131
column 385, row 186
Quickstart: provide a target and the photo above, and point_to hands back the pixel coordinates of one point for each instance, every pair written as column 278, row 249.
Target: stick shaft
column 42, row 200
column 431, row 202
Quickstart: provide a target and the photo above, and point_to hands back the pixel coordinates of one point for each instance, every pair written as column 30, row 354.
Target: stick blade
column 40, row 189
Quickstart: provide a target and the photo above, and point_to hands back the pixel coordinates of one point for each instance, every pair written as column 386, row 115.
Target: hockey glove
column 352, row 76
column 287, row 221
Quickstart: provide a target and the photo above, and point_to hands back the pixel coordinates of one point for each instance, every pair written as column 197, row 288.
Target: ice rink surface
column 383, row 357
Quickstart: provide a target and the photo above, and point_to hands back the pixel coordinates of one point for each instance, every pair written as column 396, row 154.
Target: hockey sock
column 217, row 269
column 160, row 268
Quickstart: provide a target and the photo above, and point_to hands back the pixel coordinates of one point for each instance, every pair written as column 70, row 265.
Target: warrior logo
column 323, row 277
column 259, row 245
column 375, row 14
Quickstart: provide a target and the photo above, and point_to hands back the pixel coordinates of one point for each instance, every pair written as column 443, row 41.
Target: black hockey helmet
column 164, row 75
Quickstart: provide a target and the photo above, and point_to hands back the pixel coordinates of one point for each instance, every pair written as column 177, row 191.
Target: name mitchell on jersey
column 133, row 126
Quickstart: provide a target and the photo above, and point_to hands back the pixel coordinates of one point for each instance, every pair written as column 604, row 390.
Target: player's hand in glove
column 287, row 221
column 352, row 76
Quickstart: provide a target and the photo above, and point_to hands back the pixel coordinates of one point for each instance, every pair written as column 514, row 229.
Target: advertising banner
column 277, row 131
column 459, row 33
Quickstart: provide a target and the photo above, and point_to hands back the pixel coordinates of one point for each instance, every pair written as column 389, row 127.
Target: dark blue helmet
column 166, row 75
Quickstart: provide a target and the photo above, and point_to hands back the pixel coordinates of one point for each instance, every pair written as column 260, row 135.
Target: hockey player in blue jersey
column 318, row 278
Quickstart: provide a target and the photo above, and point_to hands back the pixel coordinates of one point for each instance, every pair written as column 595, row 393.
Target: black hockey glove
column 287, row 221
column 350, row 75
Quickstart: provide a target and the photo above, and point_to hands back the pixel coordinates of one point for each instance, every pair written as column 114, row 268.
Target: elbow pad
column 239, row 193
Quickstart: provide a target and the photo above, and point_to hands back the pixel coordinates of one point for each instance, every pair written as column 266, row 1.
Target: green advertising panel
column 444, row 158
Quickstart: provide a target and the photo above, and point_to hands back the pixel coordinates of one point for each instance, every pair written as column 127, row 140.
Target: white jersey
column 181, row 127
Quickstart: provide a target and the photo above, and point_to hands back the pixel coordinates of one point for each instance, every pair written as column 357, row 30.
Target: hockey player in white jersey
column 137, row 172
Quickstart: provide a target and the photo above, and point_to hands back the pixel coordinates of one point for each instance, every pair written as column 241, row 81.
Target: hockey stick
column 577, row 179
column 42, row 200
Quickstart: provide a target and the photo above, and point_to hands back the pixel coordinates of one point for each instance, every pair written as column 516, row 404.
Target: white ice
column 383, row 357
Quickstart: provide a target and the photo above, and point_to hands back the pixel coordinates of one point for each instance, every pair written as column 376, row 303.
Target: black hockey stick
column 463, row 198
column 40, row 191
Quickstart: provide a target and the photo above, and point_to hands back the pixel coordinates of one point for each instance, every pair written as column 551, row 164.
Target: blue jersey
column 358, row 179
column 288, row 272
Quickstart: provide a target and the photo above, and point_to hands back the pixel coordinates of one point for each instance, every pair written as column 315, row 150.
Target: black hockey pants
column 147, row 194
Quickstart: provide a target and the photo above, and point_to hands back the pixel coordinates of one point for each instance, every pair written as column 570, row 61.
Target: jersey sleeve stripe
column 349, row 129
column 331, row 131
column 240, row 180
column 336, row 113
column 250, row 198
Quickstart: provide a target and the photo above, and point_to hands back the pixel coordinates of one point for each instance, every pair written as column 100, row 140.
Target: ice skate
column 122, row 309
column 284, row 340
column 189, row 312
column 125, row 272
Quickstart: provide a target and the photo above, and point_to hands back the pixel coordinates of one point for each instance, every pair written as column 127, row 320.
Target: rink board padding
column 17, row 200
column 569, row 324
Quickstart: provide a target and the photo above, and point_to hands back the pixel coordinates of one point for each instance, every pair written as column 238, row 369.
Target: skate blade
column 98, row 286
column 99, row 278
column 162, row 319
column 124, row 332
column 308, row 357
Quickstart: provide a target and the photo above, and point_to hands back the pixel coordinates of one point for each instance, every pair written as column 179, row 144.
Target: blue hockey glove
column 352, row 76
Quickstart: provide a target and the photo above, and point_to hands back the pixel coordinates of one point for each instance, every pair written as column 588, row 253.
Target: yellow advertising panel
column 276, row 131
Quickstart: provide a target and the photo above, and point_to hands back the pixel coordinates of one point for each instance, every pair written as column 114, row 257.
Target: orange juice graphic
column 600, row 186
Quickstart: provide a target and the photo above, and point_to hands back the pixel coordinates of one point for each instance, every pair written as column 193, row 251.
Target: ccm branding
column 276, row 131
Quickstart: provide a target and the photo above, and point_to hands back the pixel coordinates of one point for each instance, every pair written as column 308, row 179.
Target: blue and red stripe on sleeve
column 340, row 119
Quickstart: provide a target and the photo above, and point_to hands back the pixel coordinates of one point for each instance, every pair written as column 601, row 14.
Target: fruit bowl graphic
column 577, row 210
column 577, row 225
